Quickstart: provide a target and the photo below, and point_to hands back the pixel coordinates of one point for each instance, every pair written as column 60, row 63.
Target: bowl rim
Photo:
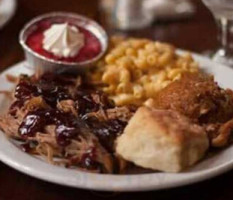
column 28, row 25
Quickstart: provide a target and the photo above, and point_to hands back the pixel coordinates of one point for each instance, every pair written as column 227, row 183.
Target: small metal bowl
column 42, row 64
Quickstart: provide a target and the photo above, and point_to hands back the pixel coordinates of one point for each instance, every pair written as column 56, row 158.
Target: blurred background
column 188, row 24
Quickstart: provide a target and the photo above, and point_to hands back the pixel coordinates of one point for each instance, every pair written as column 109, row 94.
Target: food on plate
column 198, row 97
column 62, row 40
column 141, row 106
column 134, row 70
column 162, row 140
column 67, row 121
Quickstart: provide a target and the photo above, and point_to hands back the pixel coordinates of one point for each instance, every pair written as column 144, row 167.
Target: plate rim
column 101, row 182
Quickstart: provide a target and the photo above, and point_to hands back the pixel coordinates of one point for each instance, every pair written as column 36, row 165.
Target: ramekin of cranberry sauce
column 58, row 42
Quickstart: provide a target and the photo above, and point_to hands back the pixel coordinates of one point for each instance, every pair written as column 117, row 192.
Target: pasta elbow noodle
column 138, row 91
column 152, row 60
column 136, row 69
column 125, row 76
column 124, row 88
column 111, row 76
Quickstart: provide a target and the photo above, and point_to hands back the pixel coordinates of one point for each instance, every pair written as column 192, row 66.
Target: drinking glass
column 223, row 13
column 126, row 14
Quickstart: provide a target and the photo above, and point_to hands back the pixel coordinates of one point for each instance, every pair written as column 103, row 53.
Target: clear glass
column 131, row 14
column 223, row 13
column 126, row 14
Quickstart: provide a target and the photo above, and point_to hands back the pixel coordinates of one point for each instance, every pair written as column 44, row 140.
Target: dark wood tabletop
column 197, row 34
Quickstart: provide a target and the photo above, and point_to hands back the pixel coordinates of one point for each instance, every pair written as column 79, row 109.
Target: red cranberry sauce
column 88, row 160
column 86, row 102
column 107, row 130
column 90, row 50
column 54, row 88
column 67, row 126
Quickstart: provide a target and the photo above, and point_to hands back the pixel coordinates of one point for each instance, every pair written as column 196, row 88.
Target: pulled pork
column 67, row 121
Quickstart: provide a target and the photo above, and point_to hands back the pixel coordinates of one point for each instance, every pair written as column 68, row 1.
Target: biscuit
column 162, row 140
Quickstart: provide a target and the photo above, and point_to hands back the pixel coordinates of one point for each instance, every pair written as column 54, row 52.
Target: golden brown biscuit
column 162, row 140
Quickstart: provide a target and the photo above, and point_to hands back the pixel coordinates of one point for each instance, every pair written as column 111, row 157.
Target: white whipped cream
column 63, row 40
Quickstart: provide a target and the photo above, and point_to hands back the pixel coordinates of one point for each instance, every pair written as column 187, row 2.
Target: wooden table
column 197, row 34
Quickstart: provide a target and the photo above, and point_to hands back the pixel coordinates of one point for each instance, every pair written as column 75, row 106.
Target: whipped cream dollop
column 63, row 40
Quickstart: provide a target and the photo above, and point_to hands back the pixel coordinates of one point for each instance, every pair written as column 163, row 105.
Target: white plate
column 7, row 10
column 210, row 167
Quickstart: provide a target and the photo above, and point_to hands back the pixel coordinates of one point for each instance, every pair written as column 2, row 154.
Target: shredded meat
column 224, row 134
column 122, row 113
column 53, row 116
column 10, row 126
column 67, row 106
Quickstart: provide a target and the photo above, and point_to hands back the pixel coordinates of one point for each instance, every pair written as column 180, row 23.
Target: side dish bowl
column 44, row 64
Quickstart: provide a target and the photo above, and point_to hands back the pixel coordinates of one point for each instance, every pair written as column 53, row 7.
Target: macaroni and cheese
column 134, row 70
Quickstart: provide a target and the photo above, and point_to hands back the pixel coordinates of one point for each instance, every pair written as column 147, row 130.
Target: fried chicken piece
column 223, row 134
column 198, row 97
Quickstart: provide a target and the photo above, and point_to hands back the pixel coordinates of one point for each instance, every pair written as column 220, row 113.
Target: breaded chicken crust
column 198, row 97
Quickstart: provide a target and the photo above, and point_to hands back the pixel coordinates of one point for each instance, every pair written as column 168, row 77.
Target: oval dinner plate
column 33, row 166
